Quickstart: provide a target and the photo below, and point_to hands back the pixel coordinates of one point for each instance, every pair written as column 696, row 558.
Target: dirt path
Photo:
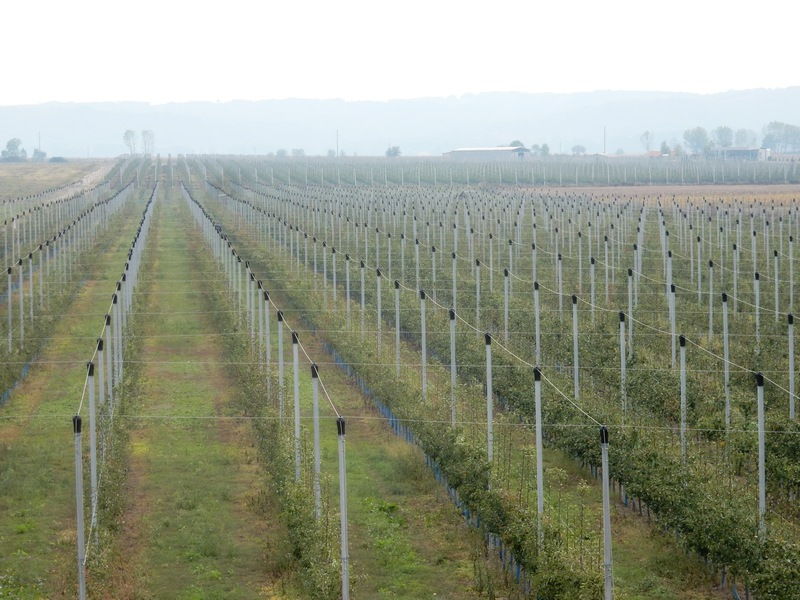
column 194, row 525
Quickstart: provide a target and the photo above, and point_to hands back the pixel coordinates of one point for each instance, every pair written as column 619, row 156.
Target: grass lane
column 193, row 526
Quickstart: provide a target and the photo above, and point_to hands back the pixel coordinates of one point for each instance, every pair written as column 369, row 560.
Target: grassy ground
column 37, row 534
column 17, row 179
column 193, row 526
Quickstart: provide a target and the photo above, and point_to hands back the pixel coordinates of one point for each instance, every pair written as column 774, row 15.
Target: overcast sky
column 174, row 50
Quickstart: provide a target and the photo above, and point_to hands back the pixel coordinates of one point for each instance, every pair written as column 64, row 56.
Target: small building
column 740, row 153
column 499, row 153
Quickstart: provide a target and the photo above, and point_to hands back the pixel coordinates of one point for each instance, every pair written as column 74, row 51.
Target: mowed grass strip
column 37, row 506
column 407, row 540
column 193, row 527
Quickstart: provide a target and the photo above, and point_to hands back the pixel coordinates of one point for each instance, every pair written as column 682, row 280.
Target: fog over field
column 425, row 126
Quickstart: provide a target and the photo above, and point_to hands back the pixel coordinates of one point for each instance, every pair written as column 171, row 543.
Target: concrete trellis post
column 673, row 325
column 623, row 361
column 505, row 304
column 79, row 525
column 363, row 298
column 726, row 366
column 10, row 310
column 281, row 402
column 453, row 279
column 21, row 306
column 92, row 445
column 630, row 311
column 317, row 459
column 537, row 395
column 575, row 358
column 489, row 401
column 347, row 288
column 296, row 382
column 762, row 478
column 757, row 302
column 683, row 397
column 397, row 328
column 608, row 578
column 424, row 344
column 777, row 287
column 790, row 321
column 344, row 552
column 592, row 287
column 537, row 333
column 452, row 314
column 379, row 310
column 477, row 293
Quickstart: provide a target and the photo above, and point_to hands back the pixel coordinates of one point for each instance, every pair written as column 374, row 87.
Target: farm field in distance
column 247, row 377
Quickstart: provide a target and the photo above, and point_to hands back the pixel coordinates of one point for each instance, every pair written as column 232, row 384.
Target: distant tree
column 677, row 150
column 536, row 150
column 331, row 153
column 620, row 152
column 544, row 150
column 148, row 141
column 129, row 137
column 578, row 150
column 664, row 149
column 723, row 136
column 393, row 151
column 517, row 144
column 782, row 137
column 298, row 152
column 38, row 156
column 646, row 139
column 745, row 138
column 281, row 153
column 696, row 139
column 14, row 151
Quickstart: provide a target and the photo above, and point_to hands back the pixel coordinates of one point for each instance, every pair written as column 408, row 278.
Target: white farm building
column 500, row 153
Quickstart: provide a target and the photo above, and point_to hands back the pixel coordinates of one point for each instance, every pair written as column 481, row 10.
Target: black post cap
column 724, row 297
column 621, row 317
column 314, row 371
column 280, row 316
column 488, row 338
column 603, row 434
column 537, row 374
column 759, row 379
column 340, row 425
column 76, row 424
column 90, row 368
column 99, row 344
column 682, row 340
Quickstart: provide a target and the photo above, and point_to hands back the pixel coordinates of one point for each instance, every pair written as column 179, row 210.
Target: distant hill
column 420, row 126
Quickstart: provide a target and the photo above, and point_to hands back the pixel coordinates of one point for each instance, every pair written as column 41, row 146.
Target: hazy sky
column 174, row 50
